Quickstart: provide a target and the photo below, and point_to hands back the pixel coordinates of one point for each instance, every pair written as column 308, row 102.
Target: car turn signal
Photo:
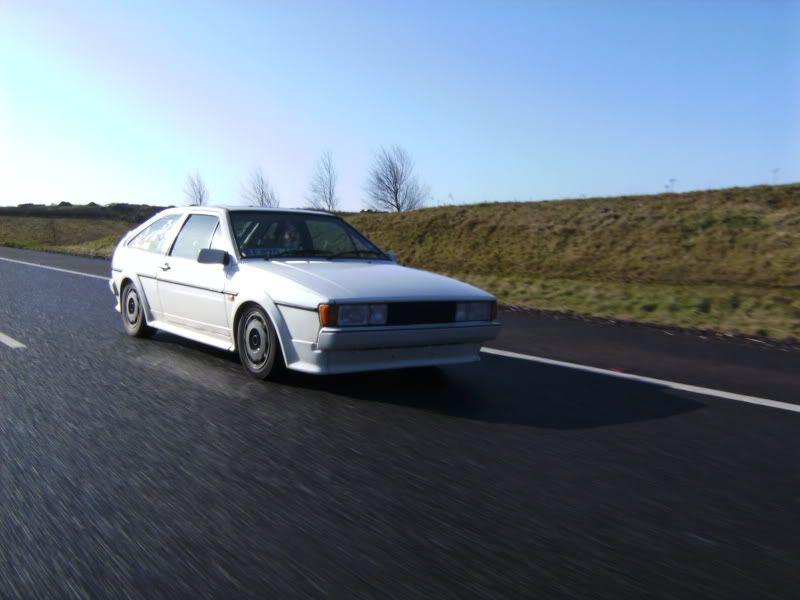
column 328, row 314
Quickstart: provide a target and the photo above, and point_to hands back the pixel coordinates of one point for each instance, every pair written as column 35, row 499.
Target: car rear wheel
column 133, row 313
column 257, row 343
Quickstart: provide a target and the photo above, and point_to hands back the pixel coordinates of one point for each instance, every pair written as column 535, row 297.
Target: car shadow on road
column 495, row 390
column 509, row 391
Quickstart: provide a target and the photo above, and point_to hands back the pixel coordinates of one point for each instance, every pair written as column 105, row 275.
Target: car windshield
column 264, row 234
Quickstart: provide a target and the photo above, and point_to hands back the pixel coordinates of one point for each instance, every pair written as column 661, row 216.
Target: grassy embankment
column 727, row 260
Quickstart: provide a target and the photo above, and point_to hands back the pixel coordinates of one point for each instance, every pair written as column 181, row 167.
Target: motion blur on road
column 623, row 178
column 159, row 469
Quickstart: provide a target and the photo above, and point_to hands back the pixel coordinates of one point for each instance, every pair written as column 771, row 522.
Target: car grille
column 420, row 313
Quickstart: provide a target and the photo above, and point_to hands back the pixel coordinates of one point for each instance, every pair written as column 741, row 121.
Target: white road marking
column 30, row 264
column 10, row 342
column 662, row 382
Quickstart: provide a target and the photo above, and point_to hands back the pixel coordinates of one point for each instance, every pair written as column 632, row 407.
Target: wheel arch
column 128, row 278
column 124, row 283
column 273, row 314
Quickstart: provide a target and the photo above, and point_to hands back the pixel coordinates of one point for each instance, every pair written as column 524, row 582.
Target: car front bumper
column 112, row 285
column 368, row 338
column 348, row 350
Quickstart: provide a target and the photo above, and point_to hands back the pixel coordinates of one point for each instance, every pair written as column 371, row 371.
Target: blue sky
column 501, row 100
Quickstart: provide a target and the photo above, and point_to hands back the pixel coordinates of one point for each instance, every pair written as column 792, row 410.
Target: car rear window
column 155, row 238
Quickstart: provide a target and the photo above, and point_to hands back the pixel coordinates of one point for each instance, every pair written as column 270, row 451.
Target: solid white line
column 10, row 342
column 30, row 264
column 662, row 382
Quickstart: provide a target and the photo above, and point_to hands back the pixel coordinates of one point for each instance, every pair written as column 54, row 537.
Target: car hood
column 345, row 280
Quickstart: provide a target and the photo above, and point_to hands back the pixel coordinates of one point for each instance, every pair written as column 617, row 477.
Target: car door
column 146, row 252
column 192, row 294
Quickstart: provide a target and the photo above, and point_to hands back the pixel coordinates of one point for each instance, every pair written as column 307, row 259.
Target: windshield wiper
column 300, row 254
column 358, row 254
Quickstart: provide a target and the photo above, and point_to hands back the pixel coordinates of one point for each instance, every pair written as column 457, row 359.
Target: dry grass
column 723, row 259
column 95, row 237
column 744, row 236
column 761, row 311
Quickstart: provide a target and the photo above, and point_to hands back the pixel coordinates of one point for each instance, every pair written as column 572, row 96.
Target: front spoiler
column 367, row 338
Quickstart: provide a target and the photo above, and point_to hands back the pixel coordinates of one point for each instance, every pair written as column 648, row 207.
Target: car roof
column 219, row 210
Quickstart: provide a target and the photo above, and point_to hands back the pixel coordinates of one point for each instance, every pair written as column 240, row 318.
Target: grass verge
column 764, row 312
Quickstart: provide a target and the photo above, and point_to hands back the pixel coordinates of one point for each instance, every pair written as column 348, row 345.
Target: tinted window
column 329, row 235
column 155, row 237
column 274, row 234
column 194, row 236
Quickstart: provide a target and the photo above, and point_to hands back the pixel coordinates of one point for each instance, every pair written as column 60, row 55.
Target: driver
column 291, row 237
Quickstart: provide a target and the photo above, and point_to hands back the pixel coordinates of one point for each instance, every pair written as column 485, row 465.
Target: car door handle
column 165, row 267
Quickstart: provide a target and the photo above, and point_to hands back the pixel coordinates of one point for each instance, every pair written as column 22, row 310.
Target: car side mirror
column 210, row 256
column 392, row 256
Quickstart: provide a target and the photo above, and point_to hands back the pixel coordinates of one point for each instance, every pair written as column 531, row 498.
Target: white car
column 297, row 288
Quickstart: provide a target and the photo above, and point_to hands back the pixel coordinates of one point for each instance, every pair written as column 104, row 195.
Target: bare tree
column 196, row 191
column 322, row 195
column 258, row 191
column 670, row 187
column 391, row 183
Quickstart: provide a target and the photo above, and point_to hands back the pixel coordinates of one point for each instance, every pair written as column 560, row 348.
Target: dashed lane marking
column 10, row 342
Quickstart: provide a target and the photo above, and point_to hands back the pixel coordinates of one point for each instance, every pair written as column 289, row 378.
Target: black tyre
column 133, row 313
column 257, row 343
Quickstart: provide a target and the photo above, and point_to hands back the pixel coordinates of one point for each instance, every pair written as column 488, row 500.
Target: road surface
column 156, row 468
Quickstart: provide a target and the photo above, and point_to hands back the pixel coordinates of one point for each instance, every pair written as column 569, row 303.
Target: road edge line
column 508, row 354
column 684, row 387
column 30, row 264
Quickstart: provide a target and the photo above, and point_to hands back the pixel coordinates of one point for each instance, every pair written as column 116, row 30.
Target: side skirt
column 192, row 335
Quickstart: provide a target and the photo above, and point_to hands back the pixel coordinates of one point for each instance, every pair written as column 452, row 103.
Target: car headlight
column 476, row 311
column 352, row 315
column 378, row 314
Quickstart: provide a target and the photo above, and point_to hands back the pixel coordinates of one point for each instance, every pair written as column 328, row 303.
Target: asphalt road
column 156, row 468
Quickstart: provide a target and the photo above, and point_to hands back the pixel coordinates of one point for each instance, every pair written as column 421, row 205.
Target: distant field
column 727, row 259
column 95, row 237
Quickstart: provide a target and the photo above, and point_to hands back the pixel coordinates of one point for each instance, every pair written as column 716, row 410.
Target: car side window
column 217, row 240
column 194, row 236
column 155, row 238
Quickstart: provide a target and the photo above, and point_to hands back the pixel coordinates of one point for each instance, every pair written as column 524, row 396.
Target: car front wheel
column 257, row 343
column 133, row 313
